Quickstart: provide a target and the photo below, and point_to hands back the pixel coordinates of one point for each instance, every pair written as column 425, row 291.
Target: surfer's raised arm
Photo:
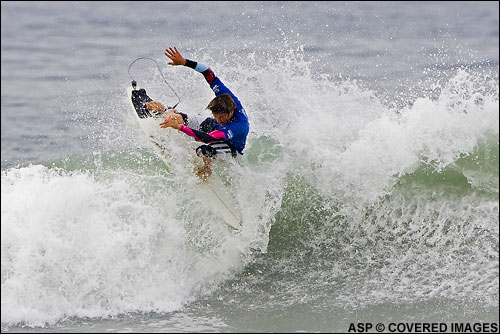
column 215, row 83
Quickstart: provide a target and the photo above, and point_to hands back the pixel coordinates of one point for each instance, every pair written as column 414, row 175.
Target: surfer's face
column 222, row 118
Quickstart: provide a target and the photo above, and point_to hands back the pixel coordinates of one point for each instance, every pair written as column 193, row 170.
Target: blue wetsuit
column 235, row 132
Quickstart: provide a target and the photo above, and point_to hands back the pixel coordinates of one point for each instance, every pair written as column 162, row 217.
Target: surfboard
column 177, row 151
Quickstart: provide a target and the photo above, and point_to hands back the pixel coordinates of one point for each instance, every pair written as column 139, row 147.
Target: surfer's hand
column 172, row 114
column 171, row 122
column 175, row 56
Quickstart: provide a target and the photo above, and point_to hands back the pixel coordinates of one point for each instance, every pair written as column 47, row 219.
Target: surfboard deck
column 167, row 142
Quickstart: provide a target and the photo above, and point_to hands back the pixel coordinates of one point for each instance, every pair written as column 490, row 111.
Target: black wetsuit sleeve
column 218, row 136
column 191, row 64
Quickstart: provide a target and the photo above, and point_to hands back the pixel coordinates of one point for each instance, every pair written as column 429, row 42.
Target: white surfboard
column 169, row 143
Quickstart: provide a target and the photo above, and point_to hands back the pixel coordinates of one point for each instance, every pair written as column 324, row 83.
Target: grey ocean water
column 369, row 181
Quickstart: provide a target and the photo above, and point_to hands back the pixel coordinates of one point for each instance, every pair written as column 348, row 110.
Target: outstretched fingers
column 174, row 55
column 172, row 51
column 170, row 54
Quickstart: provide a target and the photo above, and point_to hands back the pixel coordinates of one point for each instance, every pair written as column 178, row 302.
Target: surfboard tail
column 139, row 100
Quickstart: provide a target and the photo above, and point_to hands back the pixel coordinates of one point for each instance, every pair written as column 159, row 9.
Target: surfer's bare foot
column 206, row 170
column 204, row 173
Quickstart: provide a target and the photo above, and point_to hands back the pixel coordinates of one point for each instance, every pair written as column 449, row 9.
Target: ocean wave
column 346, row 199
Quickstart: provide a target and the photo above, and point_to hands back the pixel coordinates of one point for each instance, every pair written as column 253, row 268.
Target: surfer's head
column 223, row 108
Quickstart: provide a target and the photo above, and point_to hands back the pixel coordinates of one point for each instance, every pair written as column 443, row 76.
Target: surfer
column 225, row 133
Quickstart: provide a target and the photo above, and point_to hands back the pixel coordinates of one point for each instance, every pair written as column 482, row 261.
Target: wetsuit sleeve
column 203, row 69
column 211, row 137
column 215, row 83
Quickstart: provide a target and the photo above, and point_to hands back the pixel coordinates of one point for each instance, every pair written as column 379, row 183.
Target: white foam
column 77, row 244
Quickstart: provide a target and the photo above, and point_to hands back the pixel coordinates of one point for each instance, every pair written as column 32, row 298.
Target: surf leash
column 134, row 83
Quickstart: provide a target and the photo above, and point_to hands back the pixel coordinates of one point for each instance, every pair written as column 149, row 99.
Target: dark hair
column 222, row 104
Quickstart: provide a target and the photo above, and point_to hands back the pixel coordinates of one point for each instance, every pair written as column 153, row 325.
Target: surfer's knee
column 206, row 151
column 208, row 125
column 216, row 150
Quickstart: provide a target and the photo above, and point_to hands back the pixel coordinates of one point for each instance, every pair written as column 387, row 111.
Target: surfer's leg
column 206, row 151
column 208, row 125
column 210, row 152
column 216, row 150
